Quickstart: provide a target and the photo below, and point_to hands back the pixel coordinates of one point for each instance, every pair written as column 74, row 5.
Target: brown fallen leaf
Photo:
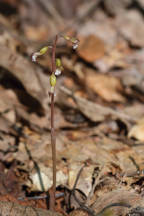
column 91, row 48
column 79, row 212
column 116, row 7
column 115, row 57
column 85, row 179
column 13, row 209
column 125, row 200
column 128, row 25
column 36, row 33
column 137, row 131
column 24, row 71
column 101, row 27
column 108, row 87
column 42, row 181
column 141, row 2
column 96, row 112
column 7, row 103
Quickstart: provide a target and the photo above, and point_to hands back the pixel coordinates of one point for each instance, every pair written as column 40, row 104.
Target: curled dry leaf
column 137, row 131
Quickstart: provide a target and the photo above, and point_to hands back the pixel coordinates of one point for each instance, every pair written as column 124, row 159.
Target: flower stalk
column 53, row 137
column 56, row 69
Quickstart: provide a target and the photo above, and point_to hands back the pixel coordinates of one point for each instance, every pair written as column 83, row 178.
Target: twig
column 59, row 195
column 135, row 164
column 82, row 205
column 96, row 182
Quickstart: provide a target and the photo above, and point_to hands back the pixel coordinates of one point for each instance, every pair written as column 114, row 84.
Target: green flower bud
column 58, row 62
column 44, row 50
column 52, row 80
column 66, row 37
column 74, row 40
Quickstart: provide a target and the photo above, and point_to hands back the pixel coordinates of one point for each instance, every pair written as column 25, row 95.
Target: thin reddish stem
column 54, row 54
column 53, row 138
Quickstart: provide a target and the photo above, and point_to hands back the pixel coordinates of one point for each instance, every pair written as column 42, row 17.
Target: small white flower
column 76, row 41
column 57, row 72
column 75, row 46
column 35, row 55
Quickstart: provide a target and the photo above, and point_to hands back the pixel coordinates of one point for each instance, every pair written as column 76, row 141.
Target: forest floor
column 99, row 109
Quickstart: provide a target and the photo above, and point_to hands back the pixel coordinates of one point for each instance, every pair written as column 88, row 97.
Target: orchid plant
column 56, row 70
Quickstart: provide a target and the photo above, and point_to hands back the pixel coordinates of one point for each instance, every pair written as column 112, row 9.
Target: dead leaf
column 101, row 27
column 79, row 212
column 24, row 71
column 85, row 179
column 42, row 180
column 95, row 112
column 36, row 33
column 137, row 131
column 91, row 48
column 106, row 86
column 128, row 24
column 141, row 2
column 7, row 208
column 115, row 57
column 130, row 199
column 116, row 7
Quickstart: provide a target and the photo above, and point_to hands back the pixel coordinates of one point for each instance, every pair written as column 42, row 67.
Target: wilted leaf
column 141, row 2
column 24, row 71
column 106, row 86
column 121, row 196
column 94, row 111
column 85, row 179
column 42, row 178
column 137, row 131
column 7, row 208
column 128, row 25
column 91, row 48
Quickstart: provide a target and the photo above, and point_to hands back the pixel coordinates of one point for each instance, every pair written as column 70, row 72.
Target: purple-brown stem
column 53, row 138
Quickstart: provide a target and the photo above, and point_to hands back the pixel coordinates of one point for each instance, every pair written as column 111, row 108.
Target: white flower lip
column 75, row 46
column 35, row 55
column 57, row 72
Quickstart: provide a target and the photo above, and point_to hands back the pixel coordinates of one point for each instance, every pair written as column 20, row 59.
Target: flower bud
column 52, row 80
column 74, row 40
column 43, row 50
column 58, row 62
column 66, row 37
